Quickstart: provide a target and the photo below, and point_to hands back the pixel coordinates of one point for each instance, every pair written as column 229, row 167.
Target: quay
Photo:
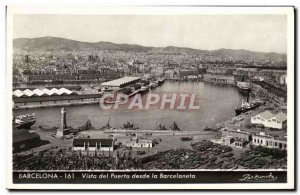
column 53, row 97
column 164, row 132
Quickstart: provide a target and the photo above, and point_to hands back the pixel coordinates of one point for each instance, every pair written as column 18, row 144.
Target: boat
column 125, row 90
column 161, row 127
column 24, row 121
column 134, row 93
column 243, row 87
column 153, row 84
column 145, row 82
column 246, row 106
column 136, row 86
column 144, row 89
column 106, row 89
column 188, row 138
column 130, row 126
column 48, row 128
column 111, row 101
column 175, row 127
column 87, row 126
column 209, row 129
column 161, row 81
column 106, row 126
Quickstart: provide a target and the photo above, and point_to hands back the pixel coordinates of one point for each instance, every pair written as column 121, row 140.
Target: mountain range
column 59, row 44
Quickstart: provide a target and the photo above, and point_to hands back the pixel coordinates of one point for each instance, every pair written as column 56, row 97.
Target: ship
column 161, row 81
column 24, row 121
column 143, row 90
column 244, row 87
column 188, row 138
column 153, row 84
column 246, row 106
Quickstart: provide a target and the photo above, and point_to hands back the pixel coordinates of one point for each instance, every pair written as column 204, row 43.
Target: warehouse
column 55, row 100
column 93, row 145
column 122, row 82
column 268, row 119
column 44, row 92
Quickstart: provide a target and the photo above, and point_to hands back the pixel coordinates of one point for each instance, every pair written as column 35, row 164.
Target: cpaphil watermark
column 171, row 101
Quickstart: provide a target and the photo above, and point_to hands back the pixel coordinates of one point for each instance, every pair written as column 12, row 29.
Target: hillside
column 57, row 44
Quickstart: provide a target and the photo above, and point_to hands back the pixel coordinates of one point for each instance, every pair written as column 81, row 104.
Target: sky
column 264, row 33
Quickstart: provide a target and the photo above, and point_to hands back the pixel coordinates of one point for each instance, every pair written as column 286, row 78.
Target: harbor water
column 216, row 103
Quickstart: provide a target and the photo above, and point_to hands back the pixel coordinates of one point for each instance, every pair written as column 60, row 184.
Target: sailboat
column 106, row 126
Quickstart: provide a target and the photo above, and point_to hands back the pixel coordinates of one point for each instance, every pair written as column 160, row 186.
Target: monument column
column 63, row 130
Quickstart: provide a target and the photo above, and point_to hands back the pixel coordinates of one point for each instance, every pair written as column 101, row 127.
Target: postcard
column 150, row 97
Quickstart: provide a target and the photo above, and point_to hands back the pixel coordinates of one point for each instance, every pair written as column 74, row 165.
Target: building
column 269, row 92
column 246, row 72
column 262, row 117
column 240, row 143
column 44, row 92
column 240, row 139
column 22, row 140
column 226, row 140
column 268, row 119
column 269, row 141
column 172, row 74
column 159, row 71
column 216, row 70
column 62, row 74
column 140, row 143
column 237, row 134
column 51, row 97
column 122, row 82
column 278, row 121
column 185, row 73
column 219, row 79
column 235, row 138
column 282, row 80
column 93, row 145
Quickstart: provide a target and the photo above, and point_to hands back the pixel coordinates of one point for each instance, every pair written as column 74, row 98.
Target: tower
column 63, row 130
column 26, row 58
column 63, row 119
